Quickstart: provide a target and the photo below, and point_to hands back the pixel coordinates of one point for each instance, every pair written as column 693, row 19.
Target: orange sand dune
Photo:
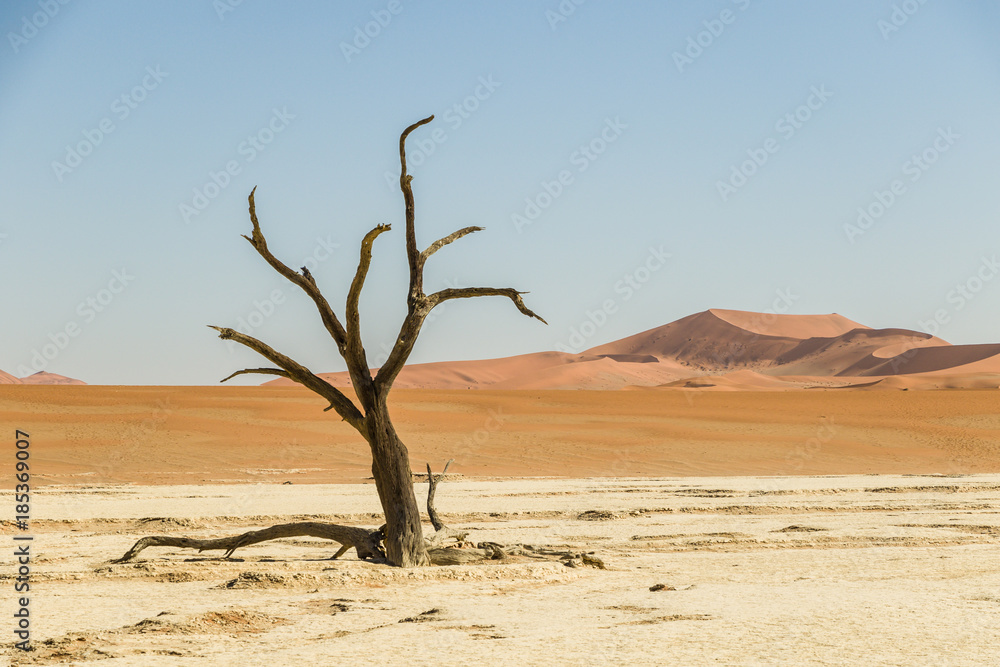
column 827, row 350
column 173, row 435
column 947, row 358
column 43, row 377
column 788, row 326
column 7, row 378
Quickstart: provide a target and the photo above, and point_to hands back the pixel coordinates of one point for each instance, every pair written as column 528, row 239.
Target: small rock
column 661, row 587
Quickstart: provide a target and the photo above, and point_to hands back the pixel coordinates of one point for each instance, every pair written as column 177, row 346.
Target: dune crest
column 43, row 377
column 731, row 350
column 7, row 378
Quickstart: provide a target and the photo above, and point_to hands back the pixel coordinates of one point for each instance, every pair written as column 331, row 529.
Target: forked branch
column 299, row 373
column 259, row 371
column 432, row 482
column 469, row 292
column 419, row 305
column 304, row 280
column 412, row 254
column 440, row 243
column 355, row 348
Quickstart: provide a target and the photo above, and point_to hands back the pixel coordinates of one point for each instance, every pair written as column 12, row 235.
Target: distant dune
column 7, row 378
column 38, row 378
column 729, row 350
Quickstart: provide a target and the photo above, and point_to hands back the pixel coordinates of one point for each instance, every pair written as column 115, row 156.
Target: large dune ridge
column 729, row 350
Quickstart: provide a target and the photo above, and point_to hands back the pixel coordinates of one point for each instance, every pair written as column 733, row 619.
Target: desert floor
column 844, row 570
column 205, row 435
column 790, row 528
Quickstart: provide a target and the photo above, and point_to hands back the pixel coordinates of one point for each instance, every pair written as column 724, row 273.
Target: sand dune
column 725, row 349
column 788, row 326
column 43, row 377
column 7, row 378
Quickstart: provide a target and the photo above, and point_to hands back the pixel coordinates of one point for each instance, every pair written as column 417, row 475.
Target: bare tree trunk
column 404, row 539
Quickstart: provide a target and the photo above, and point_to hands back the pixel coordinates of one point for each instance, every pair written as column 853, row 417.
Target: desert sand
column 766, row 492
column 207, row 435
column 822, row 570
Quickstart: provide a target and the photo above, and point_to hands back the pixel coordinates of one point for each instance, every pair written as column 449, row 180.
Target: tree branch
column 299, row 373
column 419, row 304
column 365, row 541
column 469, row 292
column 432, row 482
column 261, row 371
column 304, row 280
column 355, row 347
column 440, row 243
column 416, row 277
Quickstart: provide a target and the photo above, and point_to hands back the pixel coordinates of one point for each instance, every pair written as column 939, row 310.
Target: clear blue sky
column 115, row 115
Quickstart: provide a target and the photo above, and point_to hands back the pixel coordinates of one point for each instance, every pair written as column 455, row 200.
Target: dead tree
column 403, row 538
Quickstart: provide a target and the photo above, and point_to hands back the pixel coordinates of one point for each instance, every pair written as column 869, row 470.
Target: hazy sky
column 632, row 163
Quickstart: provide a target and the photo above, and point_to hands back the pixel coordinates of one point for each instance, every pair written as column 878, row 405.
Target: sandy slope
column 43, row 377
column 167, row 435
column 873, row 570
column 722, row 343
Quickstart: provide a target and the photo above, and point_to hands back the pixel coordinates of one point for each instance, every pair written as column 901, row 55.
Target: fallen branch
column 366, row 542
